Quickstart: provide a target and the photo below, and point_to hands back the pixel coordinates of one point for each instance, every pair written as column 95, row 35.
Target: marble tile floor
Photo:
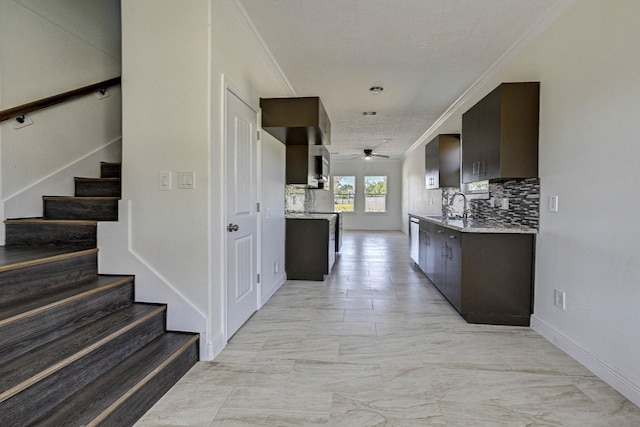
column 377, row 345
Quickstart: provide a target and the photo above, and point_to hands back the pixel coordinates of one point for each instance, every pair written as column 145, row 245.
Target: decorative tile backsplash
column 299, row 199
column 524, row 203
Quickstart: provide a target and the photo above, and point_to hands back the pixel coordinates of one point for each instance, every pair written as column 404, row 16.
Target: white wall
column 359, row 220
column 272, row 215
column 177, row 58
column 588, row 64
column 46, row 50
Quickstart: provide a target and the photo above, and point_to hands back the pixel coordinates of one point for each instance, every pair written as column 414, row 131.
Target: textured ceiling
column 425, row 53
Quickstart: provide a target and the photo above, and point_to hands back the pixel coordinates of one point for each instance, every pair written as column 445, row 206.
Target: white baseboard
column 214, row 348
column 602, row 370
column 277, row 282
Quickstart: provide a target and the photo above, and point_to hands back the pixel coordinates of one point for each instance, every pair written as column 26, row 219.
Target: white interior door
column 241, row 148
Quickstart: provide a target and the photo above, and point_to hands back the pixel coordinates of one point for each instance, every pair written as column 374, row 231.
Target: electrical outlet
column 504, row 203
column 553, row 203
column 559, row 299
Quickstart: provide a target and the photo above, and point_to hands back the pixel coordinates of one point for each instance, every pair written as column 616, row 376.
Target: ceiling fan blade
column 380, row 155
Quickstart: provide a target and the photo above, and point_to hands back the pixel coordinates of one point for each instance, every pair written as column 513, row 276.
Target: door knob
column 232, row 227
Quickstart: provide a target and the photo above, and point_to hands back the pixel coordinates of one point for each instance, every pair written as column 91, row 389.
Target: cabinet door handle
column 443, row 251
column 474, row 169
column 482, row 168
column 450, row 253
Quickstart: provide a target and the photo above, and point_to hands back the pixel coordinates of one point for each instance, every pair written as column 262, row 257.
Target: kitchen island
column 485, row 270
column 310, row 245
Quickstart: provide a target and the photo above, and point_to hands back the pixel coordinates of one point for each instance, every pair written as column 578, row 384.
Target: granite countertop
column 303, row 215
column 472, row 226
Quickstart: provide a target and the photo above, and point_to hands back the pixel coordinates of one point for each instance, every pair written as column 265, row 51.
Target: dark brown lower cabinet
column 487, row 277
column 423, row 244
column 310, row 247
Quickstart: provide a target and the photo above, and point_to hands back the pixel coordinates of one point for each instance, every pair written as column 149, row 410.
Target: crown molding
column 275, row 69
column 549, row 17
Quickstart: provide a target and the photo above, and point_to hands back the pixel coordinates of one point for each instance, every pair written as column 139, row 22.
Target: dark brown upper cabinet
column 500, row 134
column 303, row 125
column 307, row 165
column 296, row 121
column 442, row 161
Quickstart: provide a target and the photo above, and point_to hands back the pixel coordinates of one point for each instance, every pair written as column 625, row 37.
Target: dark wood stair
column 104, row 187
column 75, row 348
column 39, row 232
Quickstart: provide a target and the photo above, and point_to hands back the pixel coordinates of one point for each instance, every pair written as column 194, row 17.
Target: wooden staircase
column 75, row 349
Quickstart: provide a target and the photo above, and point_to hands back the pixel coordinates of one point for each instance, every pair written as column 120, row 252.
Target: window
column 375, row 193
column 344, row 193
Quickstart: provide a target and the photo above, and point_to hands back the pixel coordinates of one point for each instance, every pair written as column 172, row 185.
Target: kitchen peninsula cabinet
column 442, row 161
column 500, row 134
column 310, row 246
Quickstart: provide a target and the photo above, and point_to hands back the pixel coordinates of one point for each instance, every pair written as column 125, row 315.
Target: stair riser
column 110, row 170
column 97, row 189
column 99, row 210
column 24, row 335
column 51, row 235
column 140, row 402
column 30, row 404
column 30, row 281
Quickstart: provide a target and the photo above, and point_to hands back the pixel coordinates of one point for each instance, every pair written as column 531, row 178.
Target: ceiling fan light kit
column 368, row 154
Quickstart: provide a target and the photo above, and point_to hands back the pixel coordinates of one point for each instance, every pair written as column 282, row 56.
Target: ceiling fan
column 368, row 154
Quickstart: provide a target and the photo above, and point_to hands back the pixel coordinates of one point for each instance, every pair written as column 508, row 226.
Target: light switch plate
column 504, row 203
column 553, row 203
column 186, row 180
column 164, row 181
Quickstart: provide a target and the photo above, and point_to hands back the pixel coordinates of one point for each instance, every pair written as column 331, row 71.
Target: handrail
column 23, row 109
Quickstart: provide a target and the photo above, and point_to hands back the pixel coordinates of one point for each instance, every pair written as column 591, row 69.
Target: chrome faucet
column 465, row 209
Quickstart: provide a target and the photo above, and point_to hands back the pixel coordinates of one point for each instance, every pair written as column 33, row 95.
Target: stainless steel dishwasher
column 414, row 233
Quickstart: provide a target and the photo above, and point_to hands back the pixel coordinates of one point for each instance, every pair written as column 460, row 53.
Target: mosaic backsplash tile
column 524, row 203
column 299, row 199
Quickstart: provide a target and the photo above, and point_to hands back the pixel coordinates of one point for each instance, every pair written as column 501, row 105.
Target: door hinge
column 258, row 207
column 258, row 279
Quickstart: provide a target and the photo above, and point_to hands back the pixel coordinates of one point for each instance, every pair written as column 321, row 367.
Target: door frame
column 228, row 86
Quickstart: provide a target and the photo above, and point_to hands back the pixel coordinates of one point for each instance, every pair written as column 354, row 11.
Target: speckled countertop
column 471, row 226
column 302, row 215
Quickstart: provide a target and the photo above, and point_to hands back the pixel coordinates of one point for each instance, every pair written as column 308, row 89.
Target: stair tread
column 29, row 368
column 42, row 220
column 89, row 179
column 81, row 198
column 106, row 392
column 19, row 257
column 16, row 310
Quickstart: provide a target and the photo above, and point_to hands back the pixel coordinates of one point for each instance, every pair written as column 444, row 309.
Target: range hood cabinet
column 307, row 166
column 296, row 121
